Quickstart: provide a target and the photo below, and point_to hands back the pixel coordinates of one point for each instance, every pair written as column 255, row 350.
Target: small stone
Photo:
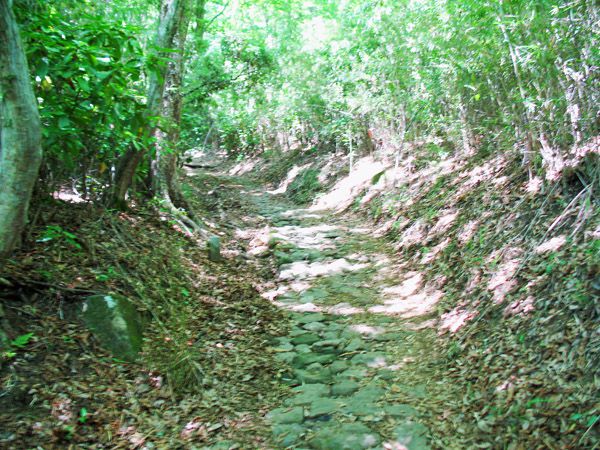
column 360, row 407
column 307, row 393
column 294, row 332
column 387, row 374
column 285, row 347
column 214, row 249
column 116, row 323
column 334, row 326
column 286, row 415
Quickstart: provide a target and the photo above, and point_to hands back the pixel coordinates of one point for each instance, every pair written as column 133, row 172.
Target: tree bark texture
column 20, row 133
column 169, row 25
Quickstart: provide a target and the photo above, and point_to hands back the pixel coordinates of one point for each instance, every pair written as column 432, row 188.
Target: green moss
column 305, row 186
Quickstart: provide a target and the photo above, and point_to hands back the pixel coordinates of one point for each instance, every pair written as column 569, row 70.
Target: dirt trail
column 361, row 356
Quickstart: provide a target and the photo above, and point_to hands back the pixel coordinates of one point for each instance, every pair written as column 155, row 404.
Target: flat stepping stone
column 339, row 366
column 307, row 318
column 334, row 326
column 286, row 415
column 412, row 435
column 307, row 393
column 315, row 326
column 321, row 407
column 330, row 335
column 306, row 338
column 286, row 357
column 284, row 347
column 354, row 372
column 363, row 402
column 306, row 359
column 328, row 346
column 310, row 376
column 356, row 344
column 289, row 434
column 302, row 348
column 345, row 387
column 348, row 436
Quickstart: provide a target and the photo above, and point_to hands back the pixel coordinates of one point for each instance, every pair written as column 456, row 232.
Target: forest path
column 361, row 357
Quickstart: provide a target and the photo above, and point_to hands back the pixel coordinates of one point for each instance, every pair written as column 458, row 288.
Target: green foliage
column 83, row 416
column 87, row 77
column 57, row 233
column 305, row 186
column 16, row 344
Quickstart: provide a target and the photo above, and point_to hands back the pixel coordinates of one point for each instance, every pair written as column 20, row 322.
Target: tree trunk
column 166, row 157
column 20, row 133
column 168, row 27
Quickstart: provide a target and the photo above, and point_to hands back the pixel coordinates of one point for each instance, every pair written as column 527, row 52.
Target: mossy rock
column 116, row 323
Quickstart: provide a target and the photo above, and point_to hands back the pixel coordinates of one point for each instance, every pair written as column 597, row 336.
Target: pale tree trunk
column 164, row 166
column 20, row 133
column 514, row 57
column 169, row 24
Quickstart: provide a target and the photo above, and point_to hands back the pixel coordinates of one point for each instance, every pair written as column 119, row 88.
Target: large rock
column 116, row 323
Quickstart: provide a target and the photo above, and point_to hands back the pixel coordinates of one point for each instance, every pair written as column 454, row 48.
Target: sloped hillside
column 505, row 266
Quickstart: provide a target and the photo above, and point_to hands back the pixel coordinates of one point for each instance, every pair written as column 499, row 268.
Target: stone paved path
column 350, row 348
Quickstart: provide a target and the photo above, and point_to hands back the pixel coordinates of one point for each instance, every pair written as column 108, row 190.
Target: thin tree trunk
column 168, row 27
column 164, row 166
column 20, row 133
column 521, row 86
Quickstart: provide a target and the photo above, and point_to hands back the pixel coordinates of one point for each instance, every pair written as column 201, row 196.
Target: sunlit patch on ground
column 412, row 283
column 344, row 309
column 502, row 280
column 521, row 306
column 317, row 237
column 68, row 196
column 415, row 234
column 345, row 190
column 412, row 306
column 551, row 245
column 435, row 251
column 367, row 330
column 454, row 320
column 302, row 269
column 291, row 176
